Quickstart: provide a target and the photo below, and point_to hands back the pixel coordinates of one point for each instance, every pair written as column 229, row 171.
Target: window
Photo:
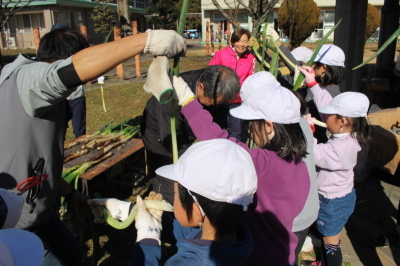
column 329, row 17
column 38, row 21
column 76, row 20
column 140, row 4
column 61, row 18
column 243, row 17
column 25, row 23
column 73, row 20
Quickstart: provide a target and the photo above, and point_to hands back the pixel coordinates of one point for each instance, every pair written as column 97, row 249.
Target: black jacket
column 155, row 125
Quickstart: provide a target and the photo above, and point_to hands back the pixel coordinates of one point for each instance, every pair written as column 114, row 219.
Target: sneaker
column 309, row 262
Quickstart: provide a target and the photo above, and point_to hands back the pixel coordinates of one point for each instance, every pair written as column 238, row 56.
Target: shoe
column 309, row 262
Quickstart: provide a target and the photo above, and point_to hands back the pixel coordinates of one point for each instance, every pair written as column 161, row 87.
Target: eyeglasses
column 195, row 199
column 33, row 184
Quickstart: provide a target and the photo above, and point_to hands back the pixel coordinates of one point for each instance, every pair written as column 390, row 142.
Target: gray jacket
column 310, row 210
column 32, row 125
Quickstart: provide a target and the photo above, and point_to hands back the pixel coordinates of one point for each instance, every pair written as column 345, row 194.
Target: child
column 283, row 181
column 335, row 161
column 329, row 69
column 214, row 183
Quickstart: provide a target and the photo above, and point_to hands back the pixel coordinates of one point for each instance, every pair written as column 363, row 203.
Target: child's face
column 319, row 71
column 180, row 213
column 261, row 133
column 334, row 123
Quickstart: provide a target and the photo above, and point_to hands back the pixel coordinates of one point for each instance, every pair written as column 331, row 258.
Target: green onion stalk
column 274, row 65
column 263, row 50
column 150, row 204
column 182, row 22
column 380, row 50
column 259, row 58
column 281, row 54
column 300, row 78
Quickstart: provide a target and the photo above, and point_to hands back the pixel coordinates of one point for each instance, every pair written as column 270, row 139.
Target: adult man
column 213, row 86
column 32, row 104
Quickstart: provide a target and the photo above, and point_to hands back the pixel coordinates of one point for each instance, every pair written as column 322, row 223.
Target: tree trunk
column 124, row 17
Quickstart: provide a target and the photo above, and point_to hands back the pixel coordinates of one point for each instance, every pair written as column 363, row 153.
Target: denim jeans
column 60, row 246
column 334, row 213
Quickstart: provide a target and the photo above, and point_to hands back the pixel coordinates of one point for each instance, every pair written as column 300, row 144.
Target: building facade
column 18, row 32
column 212, row 15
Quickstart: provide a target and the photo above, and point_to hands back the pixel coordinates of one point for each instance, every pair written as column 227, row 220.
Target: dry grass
column 122, row 102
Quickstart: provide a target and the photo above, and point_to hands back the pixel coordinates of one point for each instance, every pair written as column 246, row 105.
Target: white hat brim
column 167, row 171
column 243, row 113
column 327, row 109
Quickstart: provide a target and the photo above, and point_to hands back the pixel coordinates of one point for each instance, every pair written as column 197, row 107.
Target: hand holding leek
column 102, row 213
column 148, row 224
column 118, row 209
column 182, row 90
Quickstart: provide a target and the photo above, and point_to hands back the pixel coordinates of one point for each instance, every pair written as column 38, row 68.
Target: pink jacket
column 243, row 66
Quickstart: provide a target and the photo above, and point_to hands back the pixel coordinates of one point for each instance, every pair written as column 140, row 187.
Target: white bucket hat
column 264, row 98
column 11, row 206
column 20, row 248
column 302, row 54
column 331, row 55
column 217, row 169
column 350, row 104
column 262, row 80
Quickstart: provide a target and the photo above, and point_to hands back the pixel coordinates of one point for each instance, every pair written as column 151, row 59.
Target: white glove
column 272, row 34
column 182, row 90
column 398, row 63
column 159, row 80
column 165, row 43
column 118, row 209
column 148, row 225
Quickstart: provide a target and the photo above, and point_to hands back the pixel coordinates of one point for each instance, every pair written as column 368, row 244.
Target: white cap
column 350, row 104
column 13, row 204
column 20, row 248
column 331, row 55
column 217, row 169
column 264, row 98
column 263, row 79
column 302, row 54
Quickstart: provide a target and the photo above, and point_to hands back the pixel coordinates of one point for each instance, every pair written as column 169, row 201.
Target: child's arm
column 327, row 156
column 203, row 127
column 321, row 97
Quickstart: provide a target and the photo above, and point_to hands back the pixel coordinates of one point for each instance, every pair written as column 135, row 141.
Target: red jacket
column 243, row 66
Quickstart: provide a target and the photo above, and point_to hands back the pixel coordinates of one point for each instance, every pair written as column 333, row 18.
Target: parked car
column 192, row 34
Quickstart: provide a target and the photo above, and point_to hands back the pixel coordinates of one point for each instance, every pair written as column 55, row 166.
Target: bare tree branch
column 9, row 8
column 226, row 15
column 245, row 7
column 233, row 11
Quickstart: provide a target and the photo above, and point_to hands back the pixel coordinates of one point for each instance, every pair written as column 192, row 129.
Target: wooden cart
column 129, row 157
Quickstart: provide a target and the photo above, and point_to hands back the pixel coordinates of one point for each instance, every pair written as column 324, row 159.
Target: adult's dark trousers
column 77, row 112
column 235, row 124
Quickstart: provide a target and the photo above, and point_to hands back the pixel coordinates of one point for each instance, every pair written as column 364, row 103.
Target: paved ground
column 373, row 222
column 375, row 215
